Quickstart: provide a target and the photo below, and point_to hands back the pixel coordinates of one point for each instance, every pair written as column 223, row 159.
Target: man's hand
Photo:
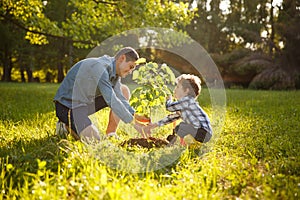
column 142, row 119
column 140, row 128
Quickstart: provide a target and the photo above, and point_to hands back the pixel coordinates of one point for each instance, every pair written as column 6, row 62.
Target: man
column 91, row 85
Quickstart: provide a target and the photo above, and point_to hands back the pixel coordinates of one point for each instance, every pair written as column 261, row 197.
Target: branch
column 105, row 2
column 21, row 26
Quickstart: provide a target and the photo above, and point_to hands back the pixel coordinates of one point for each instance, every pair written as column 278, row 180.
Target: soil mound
column 148, row 143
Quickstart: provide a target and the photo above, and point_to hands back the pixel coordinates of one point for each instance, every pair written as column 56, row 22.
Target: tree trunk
column 60, row 57
column 22, row 71
column 29, row 74
column 272, row 36
column 7, row 67
column 60, row 75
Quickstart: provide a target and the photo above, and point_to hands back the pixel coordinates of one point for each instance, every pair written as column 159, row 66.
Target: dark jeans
column 78, row 117
column 200, row 134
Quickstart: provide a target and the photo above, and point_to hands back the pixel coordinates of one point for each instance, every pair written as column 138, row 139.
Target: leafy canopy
column 86, row 22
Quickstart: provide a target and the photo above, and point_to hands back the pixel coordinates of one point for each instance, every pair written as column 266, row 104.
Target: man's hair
column 191, row 82
column 129, row 52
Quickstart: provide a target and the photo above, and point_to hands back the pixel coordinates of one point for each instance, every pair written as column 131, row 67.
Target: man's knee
column 90, row 132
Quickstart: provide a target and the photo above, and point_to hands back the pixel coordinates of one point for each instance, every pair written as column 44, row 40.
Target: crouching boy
column 194, row 119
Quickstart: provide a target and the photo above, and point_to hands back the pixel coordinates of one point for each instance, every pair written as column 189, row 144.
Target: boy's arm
column 170, row 118
column 173, row 106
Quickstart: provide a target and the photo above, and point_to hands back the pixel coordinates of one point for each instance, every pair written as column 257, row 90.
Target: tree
column 289, row 31
column 268, row 32
column 7, row 43
column 85, row 23
column 12, row 45
column 21, row 21
column 207, row 27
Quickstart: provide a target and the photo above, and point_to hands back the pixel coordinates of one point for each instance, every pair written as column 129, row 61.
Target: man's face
column 124, row 68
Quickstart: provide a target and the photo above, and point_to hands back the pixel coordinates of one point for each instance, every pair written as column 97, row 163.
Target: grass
column 256, row 156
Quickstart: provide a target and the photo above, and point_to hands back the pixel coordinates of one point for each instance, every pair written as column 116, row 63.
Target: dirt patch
column 148, row 143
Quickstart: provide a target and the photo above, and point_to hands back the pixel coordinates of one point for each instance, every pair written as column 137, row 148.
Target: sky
column 224, row 4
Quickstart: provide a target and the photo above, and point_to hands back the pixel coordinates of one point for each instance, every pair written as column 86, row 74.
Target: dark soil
column 145, row 142
column 150, row 142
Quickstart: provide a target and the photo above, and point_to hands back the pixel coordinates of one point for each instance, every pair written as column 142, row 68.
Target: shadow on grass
column 26, row 161
column 24, row 155
column 141, row 161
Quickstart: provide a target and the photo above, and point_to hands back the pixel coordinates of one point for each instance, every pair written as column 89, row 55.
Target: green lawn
column 255, row 156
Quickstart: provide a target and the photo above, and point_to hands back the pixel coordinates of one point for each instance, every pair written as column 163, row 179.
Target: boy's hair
column 191, row 82
column 129, row 52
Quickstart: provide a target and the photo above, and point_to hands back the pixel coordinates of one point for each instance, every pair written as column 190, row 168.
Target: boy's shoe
column 112, row 134
column 61, row 129
column 182, row 142
column 171, row 139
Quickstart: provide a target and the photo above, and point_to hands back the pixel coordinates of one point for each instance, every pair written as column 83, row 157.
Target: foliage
column 30, row 15
column 207, row 27
column 153, row 81
column 255, row 157
column 63, row 28
column 89, row 22
column 260, row 25
column 289, row 30
column 273, row 79
column 67, row 26
column 244, row 62
column 255, row 70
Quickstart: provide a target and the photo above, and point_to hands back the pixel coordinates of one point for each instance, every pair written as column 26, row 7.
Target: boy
column 194, row 120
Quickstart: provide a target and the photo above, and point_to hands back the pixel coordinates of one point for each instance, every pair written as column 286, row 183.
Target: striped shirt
column 188, row 109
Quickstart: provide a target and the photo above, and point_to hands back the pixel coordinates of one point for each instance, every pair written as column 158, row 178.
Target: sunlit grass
column 255, row 157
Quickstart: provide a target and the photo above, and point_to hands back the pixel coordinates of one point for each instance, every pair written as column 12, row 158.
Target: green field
column 256, row 155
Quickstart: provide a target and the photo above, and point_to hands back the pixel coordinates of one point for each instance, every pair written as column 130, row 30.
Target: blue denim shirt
column 92, row 77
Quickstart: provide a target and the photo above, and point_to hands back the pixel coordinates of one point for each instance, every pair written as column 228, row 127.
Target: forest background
column 255, row 44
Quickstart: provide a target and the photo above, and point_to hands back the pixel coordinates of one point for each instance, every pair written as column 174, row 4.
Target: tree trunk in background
column 29, row 75
column 60, row 66
column 272, row 35
column 60, row 74
column 7, row 67
column 7, row 73
column 22, row 71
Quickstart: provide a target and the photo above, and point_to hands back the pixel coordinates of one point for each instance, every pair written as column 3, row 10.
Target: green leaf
column 135, row 75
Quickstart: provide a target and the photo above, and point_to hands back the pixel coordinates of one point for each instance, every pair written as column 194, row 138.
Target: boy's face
column 179, row 91
column 124, row 68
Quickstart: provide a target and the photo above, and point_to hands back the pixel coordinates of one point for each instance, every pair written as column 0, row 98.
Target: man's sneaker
column 61, row 129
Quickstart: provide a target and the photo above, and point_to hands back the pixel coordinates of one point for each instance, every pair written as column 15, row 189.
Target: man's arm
column 112, row 100
column 120, row 95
